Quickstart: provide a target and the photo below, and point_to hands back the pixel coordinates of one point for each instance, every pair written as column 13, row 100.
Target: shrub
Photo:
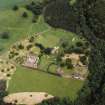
column 19, row 60
column 29, row 46
column 31, row 95
column 34, row 20
column 1, row 48
column 79, row 44
column 64, row 42
column 15, row 101
column 87, row 44
column 35, row 7
column 83, row 59
column 4, row 35
column 31, row 39
column 14, row 47
column 11, row 55
column 2, row 70
column 87, row 52
column 46, row 95
column 32, row 3
column 77, row 50
column 7, row 62
column 48, row 50
column 69, row 64
column 15, row 8
column 2, row 85
column 39, row 46
column 8, row 75
column 12, row 67
column 8, row 69
column 62, row 64
column 20, row 46
column 16, row 53
column 25, row 15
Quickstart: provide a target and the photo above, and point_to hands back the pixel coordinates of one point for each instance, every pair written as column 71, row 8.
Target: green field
column 31, row 80
column 19, row 28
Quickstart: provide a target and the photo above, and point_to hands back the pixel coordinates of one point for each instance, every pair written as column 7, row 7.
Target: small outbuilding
column 31, row 61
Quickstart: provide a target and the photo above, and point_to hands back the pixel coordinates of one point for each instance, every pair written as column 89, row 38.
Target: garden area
column 60, row 56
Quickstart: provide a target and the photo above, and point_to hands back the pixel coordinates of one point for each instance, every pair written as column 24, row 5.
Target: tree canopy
column 86, row 18
column 83, row 17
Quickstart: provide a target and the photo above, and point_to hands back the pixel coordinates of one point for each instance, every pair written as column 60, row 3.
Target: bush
column 15, row 8
column 83, row 59
column 77, row 50
column 4, row 35
column 12, row 67
column 39, row 46
column 69, row 64
column 35, row 7
column 2, row 70
column 87, row 44
column 8, row 69
column 79, row 44
column 1, row 48
column 35, row 18
column 11, row 56
column 2, row 85
column 48, row 50
column 16, row 53
column 62, row 64
column 3, row 93
column 32, row 3
column 31, row 39
column 8, row 75
column 15, row 101
column 64, row 42
column 87, row 52
column 25, row 15
column 20, row 46
column 29, row 46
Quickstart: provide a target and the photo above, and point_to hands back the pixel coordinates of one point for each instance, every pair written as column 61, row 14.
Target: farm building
column 31, row 61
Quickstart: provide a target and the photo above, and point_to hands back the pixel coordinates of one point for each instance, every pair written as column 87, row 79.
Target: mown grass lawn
column 30, row 80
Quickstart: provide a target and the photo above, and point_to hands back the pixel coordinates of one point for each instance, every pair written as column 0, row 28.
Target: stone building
column 31, row 61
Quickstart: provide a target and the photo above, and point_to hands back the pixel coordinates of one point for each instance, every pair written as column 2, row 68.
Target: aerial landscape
column 52, row 52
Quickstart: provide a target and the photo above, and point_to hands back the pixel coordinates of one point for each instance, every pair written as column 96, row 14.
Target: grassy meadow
column 18, row 27
column 31, row 80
